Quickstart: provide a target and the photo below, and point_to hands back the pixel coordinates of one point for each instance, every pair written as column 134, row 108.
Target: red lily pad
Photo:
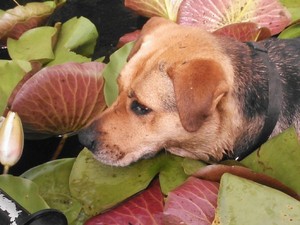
column 244, row 32
column 192, row 203
column 215, row 173
column 145, row 208
column 60, row 99
column 14, row 22
column 214, row 14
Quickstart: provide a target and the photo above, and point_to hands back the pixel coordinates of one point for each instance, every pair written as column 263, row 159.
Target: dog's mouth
column 112, row 154
column 117, row 158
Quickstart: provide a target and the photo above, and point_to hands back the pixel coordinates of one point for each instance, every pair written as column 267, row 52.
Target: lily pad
column 291, row 32
column 60, row 99
column 52, row 179
column 259, row 204
column 244, row 32
column 212, row 15
column 100, row 186
column 24, row 191
column 112, row 70
column 11, row 73
column 101, row 190
column 278, row 158
column 35, row 44
column 14, row 22
column 294, row 8
column 144, row 208
column 149, row 8
column 76, row 41
column 193, row 203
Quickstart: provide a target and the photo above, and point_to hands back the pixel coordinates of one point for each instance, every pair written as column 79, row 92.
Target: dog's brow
column 131, row 94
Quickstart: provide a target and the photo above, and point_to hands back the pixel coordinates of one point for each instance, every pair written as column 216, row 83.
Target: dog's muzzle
column 87, row 138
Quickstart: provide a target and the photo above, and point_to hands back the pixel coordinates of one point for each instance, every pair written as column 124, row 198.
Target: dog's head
column 171, row 94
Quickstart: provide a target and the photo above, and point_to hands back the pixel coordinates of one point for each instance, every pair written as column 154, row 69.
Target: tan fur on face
column 187, row 90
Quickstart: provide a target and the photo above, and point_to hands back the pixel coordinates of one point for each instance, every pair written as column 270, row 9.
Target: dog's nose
column 87, row 138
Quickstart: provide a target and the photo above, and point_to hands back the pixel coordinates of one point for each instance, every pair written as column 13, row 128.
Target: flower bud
column 11, row 140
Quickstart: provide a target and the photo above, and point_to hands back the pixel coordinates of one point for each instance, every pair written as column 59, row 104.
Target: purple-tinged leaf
column 214, row 14
column 14, row 22
column 215, row 172
column 149, row 8
column 244, row 32
column 192, row 203
column 145, row 208
column 60, row 99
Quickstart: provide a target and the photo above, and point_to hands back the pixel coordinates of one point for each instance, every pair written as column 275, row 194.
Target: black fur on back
column 251, row 85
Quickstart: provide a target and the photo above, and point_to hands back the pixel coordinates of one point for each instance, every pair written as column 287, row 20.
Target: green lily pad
column 100, row 187
column 112, row 70
column 76, row 41
column 11, row 72
column 278, row 158
column 241, row 201
column 53, row 181
column 23, row 191
column 35, row 44
column 171, row 173
column 190, row 166
column 291, row 32
column 293, row 7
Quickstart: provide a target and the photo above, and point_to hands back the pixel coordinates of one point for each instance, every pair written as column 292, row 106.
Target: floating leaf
column 215, row 173
column 190, row 166
column 294, row 8
column 192, row 203
column 34, row 45
column 76, row 41
column 11, row 72
column 149, row 8
column 212, row 15
column 278, row 158
column 112, row 70
column 144, row 208
column 60, row 99
column 14, row 22
column 244, row 32
column 108, row 186
column 241, row 201
column 24, row 191
column 52, row 179
column 291, row 32
column 171, row 174
column 112, row 185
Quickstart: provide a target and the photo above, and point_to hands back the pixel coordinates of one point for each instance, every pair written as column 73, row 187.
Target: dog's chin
column 125, row 160
column 186, row 154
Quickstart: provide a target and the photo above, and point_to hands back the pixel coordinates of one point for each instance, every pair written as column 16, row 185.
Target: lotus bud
column 11, row 140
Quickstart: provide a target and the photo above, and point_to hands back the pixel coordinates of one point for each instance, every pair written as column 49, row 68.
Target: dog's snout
column 87, row 138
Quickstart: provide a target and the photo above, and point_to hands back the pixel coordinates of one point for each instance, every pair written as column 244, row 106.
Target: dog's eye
column 139, row 109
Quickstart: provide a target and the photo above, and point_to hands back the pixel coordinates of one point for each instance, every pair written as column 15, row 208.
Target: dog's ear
column 199, row 85
column 150, row 26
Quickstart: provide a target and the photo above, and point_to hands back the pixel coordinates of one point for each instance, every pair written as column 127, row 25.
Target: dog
column 197, row 95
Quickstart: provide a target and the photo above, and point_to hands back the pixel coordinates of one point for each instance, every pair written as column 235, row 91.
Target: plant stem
column 15, row 1
column 5, row 169
column 60, row 146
